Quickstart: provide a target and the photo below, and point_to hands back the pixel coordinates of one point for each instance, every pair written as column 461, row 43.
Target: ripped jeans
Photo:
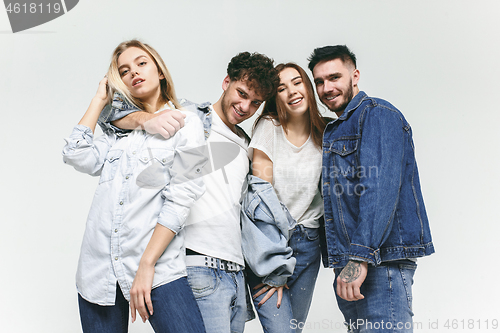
column 292, row 314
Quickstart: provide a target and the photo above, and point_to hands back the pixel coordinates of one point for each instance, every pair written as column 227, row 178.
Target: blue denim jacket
column 265, row 225
column 374, row 210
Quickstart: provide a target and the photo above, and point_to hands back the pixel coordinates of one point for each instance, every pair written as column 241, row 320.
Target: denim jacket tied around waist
column 374, row 209
column 265, row 229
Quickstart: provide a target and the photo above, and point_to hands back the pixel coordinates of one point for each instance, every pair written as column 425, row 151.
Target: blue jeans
column 221, row 298
column 175, row 310
column 297, row 299
column 387, row 306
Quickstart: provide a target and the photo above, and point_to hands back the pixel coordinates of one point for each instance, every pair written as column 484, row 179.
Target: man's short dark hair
column 327, row 53
column 257, row 69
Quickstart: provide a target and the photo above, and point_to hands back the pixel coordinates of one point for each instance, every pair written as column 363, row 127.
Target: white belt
column 207, row 261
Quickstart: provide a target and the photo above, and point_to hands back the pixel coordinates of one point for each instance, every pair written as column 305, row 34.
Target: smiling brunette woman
column 132, row 249
column 287, row 153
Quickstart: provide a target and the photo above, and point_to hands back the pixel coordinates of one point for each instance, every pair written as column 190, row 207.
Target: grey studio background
column 437, row 61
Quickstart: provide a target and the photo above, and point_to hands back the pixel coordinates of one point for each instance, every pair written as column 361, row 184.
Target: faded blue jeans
column 175, row 310
column 387, row 306
column 292, row 314
column 221, row 297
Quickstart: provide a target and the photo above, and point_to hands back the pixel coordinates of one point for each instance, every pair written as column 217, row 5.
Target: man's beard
column 348, row 95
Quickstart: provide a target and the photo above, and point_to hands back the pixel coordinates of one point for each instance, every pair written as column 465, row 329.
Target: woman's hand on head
column 99, row 101
column 102, row 91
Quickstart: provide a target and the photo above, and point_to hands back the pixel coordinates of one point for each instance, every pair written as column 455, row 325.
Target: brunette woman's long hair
column 275, row 109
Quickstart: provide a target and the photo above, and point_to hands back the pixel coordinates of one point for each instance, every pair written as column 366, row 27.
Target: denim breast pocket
column 110, row 165
column 345, row 157
column 155, row 164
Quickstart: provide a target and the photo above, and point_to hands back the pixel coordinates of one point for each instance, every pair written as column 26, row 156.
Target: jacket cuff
column 118, row 109
column 173, row 218
column 364, row 253
column 274, row 280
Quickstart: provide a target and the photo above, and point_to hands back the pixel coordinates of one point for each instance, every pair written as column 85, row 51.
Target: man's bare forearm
column 166, row 122
column 133, row 120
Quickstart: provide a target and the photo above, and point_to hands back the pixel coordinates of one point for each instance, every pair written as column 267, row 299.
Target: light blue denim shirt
column 265, row 231
column 144, row 180
column 374, row 209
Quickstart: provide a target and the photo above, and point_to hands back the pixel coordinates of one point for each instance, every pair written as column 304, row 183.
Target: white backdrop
column 437, row 61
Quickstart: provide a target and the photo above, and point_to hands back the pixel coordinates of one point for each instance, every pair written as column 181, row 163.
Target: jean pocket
column 110, row 165
column 407, row 272
column 203, row 281
column 311, row 233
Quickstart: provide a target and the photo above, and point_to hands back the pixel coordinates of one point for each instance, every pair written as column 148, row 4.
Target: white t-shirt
column 213, row 226
column 296, row 171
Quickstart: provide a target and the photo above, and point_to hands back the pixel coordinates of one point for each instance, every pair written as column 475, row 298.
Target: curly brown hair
column 257, row 69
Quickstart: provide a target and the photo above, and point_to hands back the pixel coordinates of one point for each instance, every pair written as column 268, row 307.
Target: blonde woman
column 132, row 251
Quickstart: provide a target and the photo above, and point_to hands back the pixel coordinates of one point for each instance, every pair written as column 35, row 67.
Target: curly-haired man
column 214, row 257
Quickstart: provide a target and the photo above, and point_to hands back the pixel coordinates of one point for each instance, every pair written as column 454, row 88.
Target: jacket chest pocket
column 154, row 164
column 345, row 157
column 110, row 165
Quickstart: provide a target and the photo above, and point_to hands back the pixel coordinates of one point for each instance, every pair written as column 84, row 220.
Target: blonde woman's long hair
column 116, row 84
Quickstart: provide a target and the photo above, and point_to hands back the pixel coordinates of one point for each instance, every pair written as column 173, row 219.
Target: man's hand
column 166, row 123
column 140, row 293
column 270, row 291
column 350, row 280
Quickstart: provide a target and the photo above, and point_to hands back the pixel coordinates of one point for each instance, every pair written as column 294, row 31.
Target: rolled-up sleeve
column 84, row 153
column 186, row 182
column 118, row 109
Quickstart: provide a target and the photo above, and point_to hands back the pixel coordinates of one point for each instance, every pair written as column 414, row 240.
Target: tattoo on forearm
column 350, row 272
